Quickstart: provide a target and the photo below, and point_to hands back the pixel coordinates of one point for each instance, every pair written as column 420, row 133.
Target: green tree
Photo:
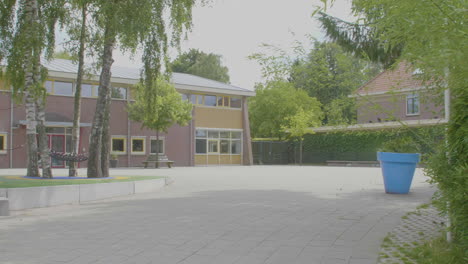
column 202, row 64
column 159, row 107
column 27, row 32
column 274, row 103
column 433, row 36
column 131, row 24
column 299, row 124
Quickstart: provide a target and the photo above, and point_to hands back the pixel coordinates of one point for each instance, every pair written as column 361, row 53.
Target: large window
column 157, row 146
column 218, row 141
column 63, row 88
column 3, row 143
column 118, row 145
column 412, row 104
column 119, row 93
column 87, row 90
column 215, row 101
column 138, row 145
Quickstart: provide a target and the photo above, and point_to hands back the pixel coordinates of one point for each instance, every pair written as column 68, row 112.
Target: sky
column 235, row 29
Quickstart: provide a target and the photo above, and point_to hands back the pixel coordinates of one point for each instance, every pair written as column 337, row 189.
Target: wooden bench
column 161, row 159
column 353, row 163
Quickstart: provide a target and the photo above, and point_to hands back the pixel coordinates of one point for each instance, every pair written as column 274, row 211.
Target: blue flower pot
column 398, row 170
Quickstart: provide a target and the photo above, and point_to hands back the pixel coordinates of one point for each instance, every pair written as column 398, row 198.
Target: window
column 218, row 141
column 213, row 146
column 87, row 90
column 412, row 104
column 184, row 97
column 119, row 93
column 224, row 146
column 235, row 102
column 48, row 86
column 210, row 100
column 3, row 143
column 63, row 88
column 138, row 145
column 157, row 146
column 118, row 145
column 223, row 101
column 200, row 146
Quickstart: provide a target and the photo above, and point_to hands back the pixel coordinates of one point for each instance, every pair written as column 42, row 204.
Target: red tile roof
column 399, row 78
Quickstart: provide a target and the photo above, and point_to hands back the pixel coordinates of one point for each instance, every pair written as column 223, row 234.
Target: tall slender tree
column 131, row 24
column 23, row 45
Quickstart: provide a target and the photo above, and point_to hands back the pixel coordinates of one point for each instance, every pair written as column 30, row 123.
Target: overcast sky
column 236, row 28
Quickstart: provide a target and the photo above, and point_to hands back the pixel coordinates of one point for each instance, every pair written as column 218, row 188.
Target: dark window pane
column 55, row 130
column 236, row 102
column 193, row 99
column 210, row 100
column 236, row 147
column 200, row 146
column 224, row 146
column 119, row 93
column 160, row 146
column 2, row 142
column 63, row 88
column 86, row 90
column 213, row 146
column 220, row 101
column 118, row 145
column 137, row 145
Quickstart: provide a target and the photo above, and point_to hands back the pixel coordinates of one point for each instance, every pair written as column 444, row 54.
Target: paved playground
column 217, row 215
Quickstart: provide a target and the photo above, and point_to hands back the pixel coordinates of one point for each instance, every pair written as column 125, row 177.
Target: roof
column 67, row 68
column 400, row 78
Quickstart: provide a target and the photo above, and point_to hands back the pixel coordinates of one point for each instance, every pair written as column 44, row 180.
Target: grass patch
column 438, row 251
column 18, row 182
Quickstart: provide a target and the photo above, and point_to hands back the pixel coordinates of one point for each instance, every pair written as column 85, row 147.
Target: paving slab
column 229, row 214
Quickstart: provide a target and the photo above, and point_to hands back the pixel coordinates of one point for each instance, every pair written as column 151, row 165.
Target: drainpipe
column 447, row 119
column 128, row 131
column 10, row 156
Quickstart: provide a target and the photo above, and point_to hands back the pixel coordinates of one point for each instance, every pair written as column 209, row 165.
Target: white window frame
column 144, row 145
column 218, row 139
column 163, row 140
column 124, row 144
column 412, row 97
column 5, row 142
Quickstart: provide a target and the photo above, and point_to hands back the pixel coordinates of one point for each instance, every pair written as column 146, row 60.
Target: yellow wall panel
column 213, row 159
column 200, row 159
column 218, row 117
column 235, row 159
column 225, row 159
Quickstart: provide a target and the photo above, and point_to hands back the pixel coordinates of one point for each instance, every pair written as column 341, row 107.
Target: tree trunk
column 43, row 141
column 157, row 149
column 31, row 15
column 95, row 169
column 300, row 152
column 105, row 151
column 72, row 172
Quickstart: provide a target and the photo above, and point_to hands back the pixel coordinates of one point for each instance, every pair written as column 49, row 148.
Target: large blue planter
column 398, row 170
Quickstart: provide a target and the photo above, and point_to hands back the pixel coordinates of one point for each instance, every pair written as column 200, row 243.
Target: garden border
column 46, row 196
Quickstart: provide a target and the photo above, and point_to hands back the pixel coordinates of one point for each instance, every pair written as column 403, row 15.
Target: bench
column 353, row 163
column 161, row 159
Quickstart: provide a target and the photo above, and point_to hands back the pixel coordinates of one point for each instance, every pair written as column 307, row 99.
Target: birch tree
column 131, row 24
column 28, row 31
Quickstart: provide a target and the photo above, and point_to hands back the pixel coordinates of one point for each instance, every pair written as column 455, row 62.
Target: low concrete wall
column 4, row 207
column 46, row 196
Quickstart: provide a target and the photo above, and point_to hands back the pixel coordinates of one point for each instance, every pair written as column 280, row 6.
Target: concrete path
column 242, row 215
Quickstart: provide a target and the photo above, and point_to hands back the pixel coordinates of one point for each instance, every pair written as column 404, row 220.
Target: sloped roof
column 178, row 79
column 400, row 78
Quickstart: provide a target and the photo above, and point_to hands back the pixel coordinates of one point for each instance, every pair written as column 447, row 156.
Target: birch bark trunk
column 72, row 172
column 95, row 169
column 30, row 103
